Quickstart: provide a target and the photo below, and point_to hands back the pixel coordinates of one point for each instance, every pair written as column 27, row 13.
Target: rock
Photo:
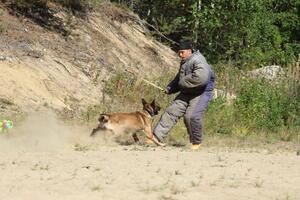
column 269, row 72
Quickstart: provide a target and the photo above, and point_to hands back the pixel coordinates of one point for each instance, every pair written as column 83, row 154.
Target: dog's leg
column 156, row 141
column 151, row 137
column 135, row 137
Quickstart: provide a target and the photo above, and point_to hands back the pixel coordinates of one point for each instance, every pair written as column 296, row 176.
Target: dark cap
column 185, row 45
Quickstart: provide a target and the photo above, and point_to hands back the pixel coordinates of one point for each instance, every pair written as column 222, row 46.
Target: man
column 195, row 82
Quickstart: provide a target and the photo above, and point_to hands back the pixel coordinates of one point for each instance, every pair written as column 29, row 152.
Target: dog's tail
column 103, row 118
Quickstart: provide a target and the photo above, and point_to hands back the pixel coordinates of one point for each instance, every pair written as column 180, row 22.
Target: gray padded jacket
column 194, row 76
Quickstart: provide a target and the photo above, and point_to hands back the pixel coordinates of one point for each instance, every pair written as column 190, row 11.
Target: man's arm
column 173, row 85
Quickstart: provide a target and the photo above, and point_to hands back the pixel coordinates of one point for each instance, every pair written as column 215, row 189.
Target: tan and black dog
column 120, row 123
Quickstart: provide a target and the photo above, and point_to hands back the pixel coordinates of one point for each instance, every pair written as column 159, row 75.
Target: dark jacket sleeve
column 173, row 85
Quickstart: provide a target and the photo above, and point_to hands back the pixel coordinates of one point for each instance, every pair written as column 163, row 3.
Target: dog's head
column 152, row 108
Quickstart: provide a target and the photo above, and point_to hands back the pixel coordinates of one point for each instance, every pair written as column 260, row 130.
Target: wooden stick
column 150, row 83
column 146, row 81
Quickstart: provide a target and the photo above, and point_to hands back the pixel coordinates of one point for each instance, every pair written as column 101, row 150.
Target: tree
column 257, row 32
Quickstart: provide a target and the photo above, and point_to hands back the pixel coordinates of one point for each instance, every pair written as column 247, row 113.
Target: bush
column 79, row 5
column 268, row 105
column 256, row 102
column 76, row 5
column 263, row 107
column 131, row 89
column 219, row 119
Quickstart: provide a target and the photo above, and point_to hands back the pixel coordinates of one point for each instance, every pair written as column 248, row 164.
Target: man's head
column 185, row 50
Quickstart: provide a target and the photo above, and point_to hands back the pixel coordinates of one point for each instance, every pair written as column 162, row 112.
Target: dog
column 120, row 123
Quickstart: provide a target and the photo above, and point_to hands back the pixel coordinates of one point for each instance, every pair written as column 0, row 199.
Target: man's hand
column 167, row 90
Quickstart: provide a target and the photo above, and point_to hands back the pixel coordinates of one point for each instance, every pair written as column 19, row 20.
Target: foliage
column 33, row 5
column 130, row 89
column 265, row 105
column 80, row 5
column 247, row 33
column 219, row 119
column 262, row 106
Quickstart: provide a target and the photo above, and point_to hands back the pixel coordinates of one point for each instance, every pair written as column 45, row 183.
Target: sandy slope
column 43, row 68
column 50, row 160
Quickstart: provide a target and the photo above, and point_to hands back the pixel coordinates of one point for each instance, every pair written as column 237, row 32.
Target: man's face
column 185, row 53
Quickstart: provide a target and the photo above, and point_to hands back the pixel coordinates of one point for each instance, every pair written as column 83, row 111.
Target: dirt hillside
column 42, row 67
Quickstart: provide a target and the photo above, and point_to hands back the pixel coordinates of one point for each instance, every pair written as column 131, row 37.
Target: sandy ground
column 49, row 160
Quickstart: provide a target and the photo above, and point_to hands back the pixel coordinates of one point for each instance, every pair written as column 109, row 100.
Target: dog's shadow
column 107, row 137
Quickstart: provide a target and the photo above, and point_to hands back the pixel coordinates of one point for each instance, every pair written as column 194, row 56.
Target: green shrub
column 267, row 105
column 79, row 5
column 29, row 5
column 130, row 89
column 263, row 108
column 219, row 118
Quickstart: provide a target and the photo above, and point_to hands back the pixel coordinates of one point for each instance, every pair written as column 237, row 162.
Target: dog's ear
column 144, row 101
column 153, row 102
